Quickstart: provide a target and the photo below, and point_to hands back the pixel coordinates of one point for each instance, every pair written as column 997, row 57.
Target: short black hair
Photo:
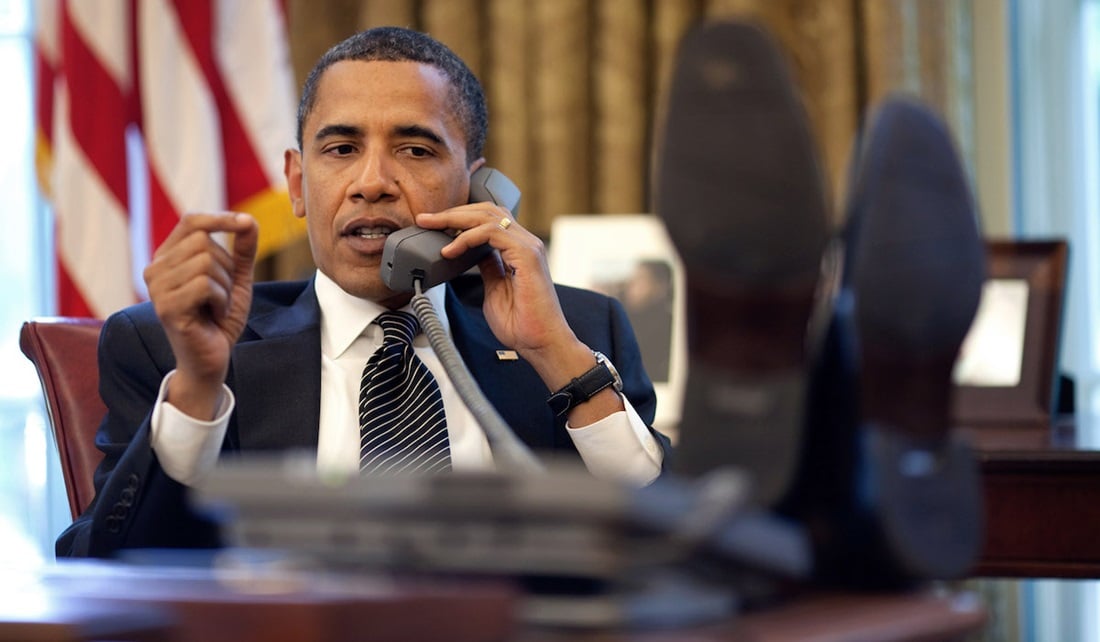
column 396, row 44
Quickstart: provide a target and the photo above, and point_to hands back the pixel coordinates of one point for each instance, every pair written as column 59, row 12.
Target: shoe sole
column 916, row 271
column 739, row 189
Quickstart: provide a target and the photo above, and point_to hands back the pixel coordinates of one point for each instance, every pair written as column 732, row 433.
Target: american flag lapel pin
column 507, row 355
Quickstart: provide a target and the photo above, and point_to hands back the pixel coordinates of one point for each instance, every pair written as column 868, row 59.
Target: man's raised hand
column 201, row 290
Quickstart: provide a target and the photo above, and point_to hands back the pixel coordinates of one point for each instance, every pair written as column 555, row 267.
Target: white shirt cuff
column 619, row 447
column 188, row 448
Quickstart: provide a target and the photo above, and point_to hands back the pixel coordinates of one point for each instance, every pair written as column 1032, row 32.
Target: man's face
column 380, row 146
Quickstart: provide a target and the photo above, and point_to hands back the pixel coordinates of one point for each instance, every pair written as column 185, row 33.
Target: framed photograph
column 1007, row 370
column 630, row 257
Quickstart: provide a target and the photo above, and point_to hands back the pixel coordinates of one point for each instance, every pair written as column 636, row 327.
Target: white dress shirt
column 619, row 446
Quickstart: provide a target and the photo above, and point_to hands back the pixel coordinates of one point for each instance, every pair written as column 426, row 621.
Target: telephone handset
column 413, row 252
column 412, row 255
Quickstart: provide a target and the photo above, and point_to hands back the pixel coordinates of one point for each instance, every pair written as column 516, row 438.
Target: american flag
column 150, row 108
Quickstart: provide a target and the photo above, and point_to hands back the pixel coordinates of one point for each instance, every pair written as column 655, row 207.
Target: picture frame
column 1019, row 326
column 615, row 254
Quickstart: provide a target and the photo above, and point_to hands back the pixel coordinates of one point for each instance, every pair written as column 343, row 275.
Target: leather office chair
column 64, row 352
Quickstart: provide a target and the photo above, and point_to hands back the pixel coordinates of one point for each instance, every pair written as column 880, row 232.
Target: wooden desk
column 1042, row 495
column 72, row 601
column 924, row 617
column 60, row 619
column 199, row 606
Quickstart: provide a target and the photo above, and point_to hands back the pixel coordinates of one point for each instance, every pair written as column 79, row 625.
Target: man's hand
column 521, row 304
column 202, row 292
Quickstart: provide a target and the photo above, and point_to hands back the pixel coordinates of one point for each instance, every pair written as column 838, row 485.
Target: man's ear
column 292, row 170
column 476, row 165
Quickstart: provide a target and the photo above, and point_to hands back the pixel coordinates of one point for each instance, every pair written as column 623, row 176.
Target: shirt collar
column 345, row 317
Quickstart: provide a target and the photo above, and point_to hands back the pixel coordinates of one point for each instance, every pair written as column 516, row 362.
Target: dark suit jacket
column 275, row 375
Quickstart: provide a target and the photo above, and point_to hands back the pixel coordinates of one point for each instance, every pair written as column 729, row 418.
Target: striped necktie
column 401, row 421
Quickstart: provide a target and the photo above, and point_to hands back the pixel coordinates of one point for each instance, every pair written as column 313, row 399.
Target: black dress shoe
column 890, row 492
column 739, row 188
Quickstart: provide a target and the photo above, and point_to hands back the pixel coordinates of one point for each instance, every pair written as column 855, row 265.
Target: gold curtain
column 574, row 86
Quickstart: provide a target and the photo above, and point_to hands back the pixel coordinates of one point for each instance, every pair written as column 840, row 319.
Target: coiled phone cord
column 510, row 454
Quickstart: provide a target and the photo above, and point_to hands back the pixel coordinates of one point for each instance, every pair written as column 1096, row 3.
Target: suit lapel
column 512, row 386
column 276, row 376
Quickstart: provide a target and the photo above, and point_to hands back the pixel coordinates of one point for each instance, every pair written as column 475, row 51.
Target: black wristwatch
column 584, row 387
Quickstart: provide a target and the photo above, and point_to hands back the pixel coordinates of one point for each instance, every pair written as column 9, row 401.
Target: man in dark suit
column 391, row 126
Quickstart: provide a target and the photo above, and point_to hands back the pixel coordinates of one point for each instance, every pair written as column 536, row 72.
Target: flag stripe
column 244, row 176
column 46, row 57
column 91, row 225
column 182, row 134
column 265, row 102
column 105, row 27
column 69, row 292
column 98, row 131
column 162, row 213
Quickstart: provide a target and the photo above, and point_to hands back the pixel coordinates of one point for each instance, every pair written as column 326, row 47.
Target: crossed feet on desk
column 820, row 363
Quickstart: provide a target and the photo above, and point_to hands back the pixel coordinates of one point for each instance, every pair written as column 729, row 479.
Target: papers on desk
column 590, row 552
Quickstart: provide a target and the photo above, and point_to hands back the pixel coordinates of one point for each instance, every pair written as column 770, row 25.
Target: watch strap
column 581, row 389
